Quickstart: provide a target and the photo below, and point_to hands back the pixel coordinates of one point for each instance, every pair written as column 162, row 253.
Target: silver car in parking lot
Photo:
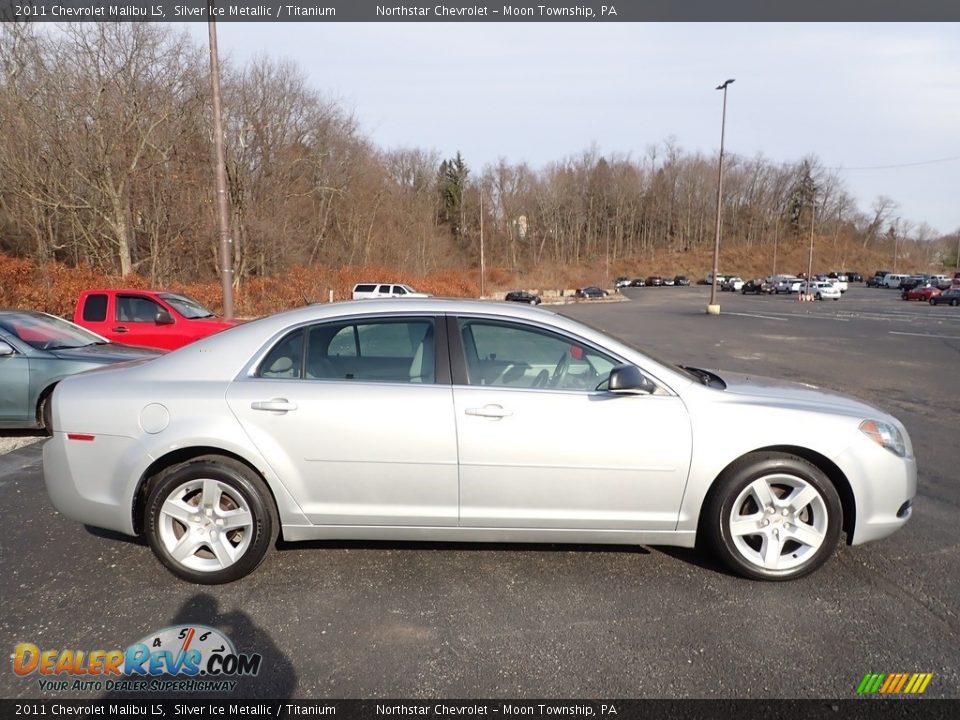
column 450, row 420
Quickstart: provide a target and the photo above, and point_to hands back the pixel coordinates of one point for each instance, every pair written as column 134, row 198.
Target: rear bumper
column 89, row 481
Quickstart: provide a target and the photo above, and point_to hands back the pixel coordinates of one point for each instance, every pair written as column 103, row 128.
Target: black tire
column 718, row 512
column 45, row 413
column 932, row 301
column 819, row 296
column 954, row 302
column 240, row 485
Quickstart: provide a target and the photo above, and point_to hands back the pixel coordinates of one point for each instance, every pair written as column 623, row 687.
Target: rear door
column 356, row 418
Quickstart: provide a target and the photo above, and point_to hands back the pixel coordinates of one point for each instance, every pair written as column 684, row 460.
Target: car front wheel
column 773, row 516
column 210, row 520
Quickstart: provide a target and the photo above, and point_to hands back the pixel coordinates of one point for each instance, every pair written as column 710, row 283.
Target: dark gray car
column 38, row 350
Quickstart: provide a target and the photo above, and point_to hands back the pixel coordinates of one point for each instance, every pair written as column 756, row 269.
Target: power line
column 795, row 163
column 900, row 165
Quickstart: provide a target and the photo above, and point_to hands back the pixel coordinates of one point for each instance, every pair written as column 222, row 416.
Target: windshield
column 46, row 332
column 188, row 307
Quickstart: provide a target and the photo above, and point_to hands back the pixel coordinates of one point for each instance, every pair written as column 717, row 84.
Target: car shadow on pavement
column 116, row 536
column 693, row 556
column 275, row 677
column 448, row 546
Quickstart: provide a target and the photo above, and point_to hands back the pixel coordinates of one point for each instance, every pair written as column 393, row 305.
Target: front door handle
column 278, row 405
column 494, row 412
column 119, row 328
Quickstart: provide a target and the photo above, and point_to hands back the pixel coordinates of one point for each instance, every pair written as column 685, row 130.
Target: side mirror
column 6, row 349
column 163, row 318
column 628, row 380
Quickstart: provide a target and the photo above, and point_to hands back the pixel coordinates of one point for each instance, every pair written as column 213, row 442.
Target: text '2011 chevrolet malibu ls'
column 451, row 420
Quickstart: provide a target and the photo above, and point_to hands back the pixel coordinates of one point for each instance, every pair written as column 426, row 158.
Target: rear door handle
column 278, row 405
column 119, row 328
column 494, row 412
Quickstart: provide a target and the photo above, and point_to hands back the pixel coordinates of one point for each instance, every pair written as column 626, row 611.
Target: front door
column 541, row 447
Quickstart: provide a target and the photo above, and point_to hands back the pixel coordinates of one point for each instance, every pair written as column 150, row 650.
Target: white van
column 384, row 290
column 893, row 280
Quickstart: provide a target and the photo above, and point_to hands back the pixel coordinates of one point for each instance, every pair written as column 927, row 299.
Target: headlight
column 885, row 435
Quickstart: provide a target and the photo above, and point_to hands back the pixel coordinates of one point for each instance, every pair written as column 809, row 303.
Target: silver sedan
column 449, row 420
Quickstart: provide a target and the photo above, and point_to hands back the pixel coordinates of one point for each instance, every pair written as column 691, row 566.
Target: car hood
column 782, row 393
column 106, row 353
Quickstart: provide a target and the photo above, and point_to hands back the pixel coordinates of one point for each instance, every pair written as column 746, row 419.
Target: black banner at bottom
column 868, row 709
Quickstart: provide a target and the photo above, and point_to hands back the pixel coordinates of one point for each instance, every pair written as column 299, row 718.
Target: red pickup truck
column 150, row 318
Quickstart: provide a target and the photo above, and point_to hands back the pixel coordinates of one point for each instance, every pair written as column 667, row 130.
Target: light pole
column 713, row 308
column 813, row 218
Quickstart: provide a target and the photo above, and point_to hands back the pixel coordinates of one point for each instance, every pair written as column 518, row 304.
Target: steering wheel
column 560, row 370
column 542, row 378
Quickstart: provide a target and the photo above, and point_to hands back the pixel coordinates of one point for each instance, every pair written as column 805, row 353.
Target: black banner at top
column 477, row 11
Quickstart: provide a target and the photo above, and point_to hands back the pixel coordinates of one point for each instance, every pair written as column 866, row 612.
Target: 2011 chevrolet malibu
column 450, row 420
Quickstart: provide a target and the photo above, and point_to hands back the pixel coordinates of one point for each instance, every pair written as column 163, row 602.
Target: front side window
column 135, row 308
column 501, row 354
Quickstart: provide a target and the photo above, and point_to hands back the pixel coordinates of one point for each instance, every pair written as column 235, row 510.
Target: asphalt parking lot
column 389, row 620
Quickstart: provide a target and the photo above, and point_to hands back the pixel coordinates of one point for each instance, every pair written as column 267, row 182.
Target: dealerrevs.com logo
column 182, row 658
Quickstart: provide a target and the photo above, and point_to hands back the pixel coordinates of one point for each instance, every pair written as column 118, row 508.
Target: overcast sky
column 855, row 95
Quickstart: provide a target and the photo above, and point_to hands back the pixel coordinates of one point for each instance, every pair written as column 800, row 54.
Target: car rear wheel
column 954, row 302
column 210, row 520
column 932, row 301
column 773, row 516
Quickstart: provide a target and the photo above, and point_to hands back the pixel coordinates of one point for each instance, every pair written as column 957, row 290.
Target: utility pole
column 483, row 266
column 220, row 168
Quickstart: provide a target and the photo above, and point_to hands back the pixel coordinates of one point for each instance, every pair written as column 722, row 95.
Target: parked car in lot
column 515, row 425
column 912, row 281
column 367, row 291
column 654, row 281
column 821, row 290
column 638, row 282
column 681, row 281
column 37, row 351
column 148, row 318
column 621, row 282
column 522, row 296
column 758, row 286
column 950, row 297
column 667, row 282
column 732, row 284
column 920, row 292
column 853, row 276
column 941, row 282
column 787, row 284
column 590, row 291
column 891, row 281
column 877, row 279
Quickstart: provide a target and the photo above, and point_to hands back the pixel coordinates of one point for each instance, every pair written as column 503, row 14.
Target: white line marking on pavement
column 765, row 317
column 942, row 337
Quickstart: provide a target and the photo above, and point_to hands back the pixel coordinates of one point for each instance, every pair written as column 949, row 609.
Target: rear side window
column 384, row 289
column 95, row 308
column 286, row 359
column 365, row 288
